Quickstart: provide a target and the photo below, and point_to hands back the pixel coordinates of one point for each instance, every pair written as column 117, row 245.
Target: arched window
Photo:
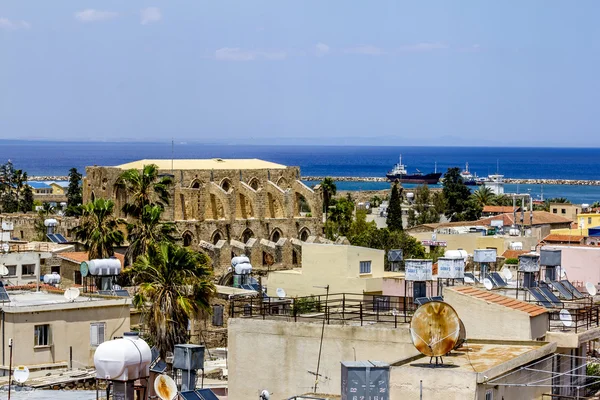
column 226, row 184
column 195, row 184
column 276, row 235
column 254, row 183
column 188, row 238
column 217, row 235
column 247, row 235
column 304, row 234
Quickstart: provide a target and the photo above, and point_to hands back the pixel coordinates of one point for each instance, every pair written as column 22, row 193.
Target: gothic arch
column 276, row 234
column 217, row 203
column 304, row 234
column 254, row 183
column 244, row 209
column 274, row 207
column 283, row 183
column 188, row 238
column 226, row 184
column 301, row 205
column 195, row 184
column 216, row 236
column 247, row 235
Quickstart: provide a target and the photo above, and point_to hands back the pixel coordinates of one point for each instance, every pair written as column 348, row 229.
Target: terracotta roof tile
column 499, row 209
column 501, row 300
column 80, row 256
column 513, row 253
column 564, row 238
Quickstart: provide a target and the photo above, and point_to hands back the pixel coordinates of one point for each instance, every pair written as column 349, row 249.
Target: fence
column 583, row 316
column 339, row 308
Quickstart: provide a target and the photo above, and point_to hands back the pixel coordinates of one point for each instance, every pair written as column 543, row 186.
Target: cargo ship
column 400, row 174
column 469, row 179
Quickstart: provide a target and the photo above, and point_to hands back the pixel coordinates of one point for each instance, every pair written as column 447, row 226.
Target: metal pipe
column 3, row 342
column 321, row 343
column 10, row 346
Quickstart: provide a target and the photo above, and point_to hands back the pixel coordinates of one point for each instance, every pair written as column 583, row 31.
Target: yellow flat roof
column 213, row 163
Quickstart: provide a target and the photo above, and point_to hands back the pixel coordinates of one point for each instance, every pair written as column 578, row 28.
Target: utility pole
column 321, row 343
column 10, row 346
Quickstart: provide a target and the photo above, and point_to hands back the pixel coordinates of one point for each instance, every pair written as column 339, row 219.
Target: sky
column 509, row 73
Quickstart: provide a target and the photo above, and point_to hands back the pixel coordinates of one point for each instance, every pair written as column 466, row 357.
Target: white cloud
column 149, row 15
column 366, row 50
column 424, row 46
column 322, row 49
column 238, row 54
column 9, row 25
column 91, row 15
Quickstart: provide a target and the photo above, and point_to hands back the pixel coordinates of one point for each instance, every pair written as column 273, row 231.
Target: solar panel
column 437, row 298
column 572, row 289
column 52, row 238
column 539, row 297
column 470, row 275
column 550, row 296
column 191, row 395
column 562, row 290
column 61, row 238
column 206, row 394
column 422, row 300
column 105, row 292
column 498, row 279
column 122, row 293
column 157, row 364
column 3, row 294
column 492, row 280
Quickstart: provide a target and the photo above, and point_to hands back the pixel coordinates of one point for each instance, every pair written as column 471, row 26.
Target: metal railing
column 583, row 316
column 338, row 308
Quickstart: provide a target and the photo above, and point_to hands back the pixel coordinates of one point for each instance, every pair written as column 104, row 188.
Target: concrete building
column 46, row 328
column 581, row 263
column 471, row 241
column 69, row 267
column 583, row 222
column 228, row 206
column 570, row 211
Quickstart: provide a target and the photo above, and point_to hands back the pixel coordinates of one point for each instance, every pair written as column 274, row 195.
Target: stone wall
column 24, row 225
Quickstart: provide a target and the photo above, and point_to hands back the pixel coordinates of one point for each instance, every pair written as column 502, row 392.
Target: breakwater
column 520, row 181
column 47, row 178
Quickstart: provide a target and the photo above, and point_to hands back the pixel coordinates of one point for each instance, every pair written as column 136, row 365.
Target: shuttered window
column 97, row 333
column 365, row 267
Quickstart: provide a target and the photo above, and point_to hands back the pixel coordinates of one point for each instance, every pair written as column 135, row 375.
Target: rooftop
column 38, row 185
column 28, row 301
column 499, row 209
column 487, row 296
column 80, row 256
column 554, row 238
column 513, row 253
column 206, row 164
column 539, row 218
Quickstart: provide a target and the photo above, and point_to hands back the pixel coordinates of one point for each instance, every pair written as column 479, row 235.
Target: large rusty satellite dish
column 165, row 387
column 435, row 328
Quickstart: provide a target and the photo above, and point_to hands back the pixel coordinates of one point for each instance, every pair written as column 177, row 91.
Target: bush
column 303, row 305
column 512, row 261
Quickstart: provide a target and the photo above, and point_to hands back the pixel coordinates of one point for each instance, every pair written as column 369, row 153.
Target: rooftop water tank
column 123, row 359
column 456, row 254
column 52, row 279
column 105, row 267
column 516, row 246
column 50, row 222
column 239, row 260
column 243, row 268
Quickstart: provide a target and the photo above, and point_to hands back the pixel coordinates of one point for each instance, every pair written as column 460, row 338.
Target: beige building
column 229, row 206
column 70, row 264
column 46, row 328
column 471, row 241
column 346, row 269
column 570, row 211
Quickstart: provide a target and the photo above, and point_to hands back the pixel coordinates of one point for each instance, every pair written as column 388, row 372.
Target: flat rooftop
column 204, row 164
column 25, row 301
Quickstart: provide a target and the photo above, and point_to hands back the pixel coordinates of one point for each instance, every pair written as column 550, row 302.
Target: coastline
column 523, row 181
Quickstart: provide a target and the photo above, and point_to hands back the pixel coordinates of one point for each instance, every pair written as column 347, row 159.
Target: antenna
column 591, row 289
column 435, row 329
column 566, row 318
column 21, row 374
column 280, row 293
column 71, row 294
column 488, row 284
column 165, row 387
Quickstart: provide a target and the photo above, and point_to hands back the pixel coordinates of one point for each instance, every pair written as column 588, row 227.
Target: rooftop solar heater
column 206, row 394
column 540, row 297
column 122, row 293
column 488, row 276
column 157, row 364
column 422, row 300
column 191, row 395
column 60, row 238
column 470, row 275
column 550, row 296
column 52, row 238
column 3, row 294
column 566, row 294
column 437, row 298
column 568, row 285
column 105, row 292
column 498, row 279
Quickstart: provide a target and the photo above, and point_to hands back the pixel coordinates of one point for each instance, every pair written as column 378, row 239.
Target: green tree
column 19, row 182
column 144, row 188
column 26, row 203
column 595, row 204
column 173, row 287
column 423, row 210
column 98, row 229
column 375, row 201
column 340, row 219
column 394, row 211
column 8, row 197
column 147, row 231
column 74, row 192
column 483, row 196
column 502, row 200
column 456, row 194
column 385, row 239
column 329, row 190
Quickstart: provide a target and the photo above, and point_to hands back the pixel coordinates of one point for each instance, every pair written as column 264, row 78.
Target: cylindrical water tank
column 456, row 254
column 516, row 246
column 52, row 279
column 239, row 260
column 105, row 267
column 123, row 359
column 243, row 268
column 50, row 222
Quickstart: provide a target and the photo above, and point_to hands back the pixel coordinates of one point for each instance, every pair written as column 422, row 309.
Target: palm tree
column 483, row 196
column 329, row 190
column 144, row 187
column 174, row 286
column 147, row 231
column 19, row 179
column 98, row 229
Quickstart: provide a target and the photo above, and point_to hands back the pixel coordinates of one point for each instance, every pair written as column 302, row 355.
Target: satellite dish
column 3, row 270
column 71, row 294
column 21, row 374
column 165, row 387
column 507, row 274
column 395, row 312
column 265, row 395
column 561, row 272
column 5, row 247
column 566, row 318
column 435, row 328
column 280, row 292
column 468, row 279
column 84, row 269
column 488, row 284
column 591, row 289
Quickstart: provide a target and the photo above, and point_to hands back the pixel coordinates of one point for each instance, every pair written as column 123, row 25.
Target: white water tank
column 105, row 267
column 123, row 359
column 52, row 279
column 50, row 222
column 460, row 253
column 516, row 246
column 239, row 260
column 514, row 232
column 243, row 268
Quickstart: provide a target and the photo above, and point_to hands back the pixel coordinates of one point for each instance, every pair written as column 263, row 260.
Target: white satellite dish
column 280, row 292
column 265, row 395
column 165, row 387
column 591, row 289
column 5, row 247
column 3, row 270
column 561, row 272
column 507, row 274
column 395, row 312
column 71, row 294
column 468, row 279
column 488, row 284
column 21, row 374
column 566, row 318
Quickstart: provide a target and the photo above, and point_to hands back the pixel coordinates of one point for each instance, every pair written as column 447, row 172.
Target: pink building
column 582, row 263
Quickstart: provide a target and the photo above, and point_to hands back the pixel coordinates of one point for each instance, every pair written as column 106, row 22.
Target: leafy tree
column 595, row 204
column 340, row 219
column 385, row 239
column 456, row 194
column 174, row 286
column 483, row 196
column 144, row 188
column 329, row 190
column 147, row 231
column 26, row 203
column 19, row 182
column 360, row 224
column 98, row 229
column 74, row 192
column 375, row 201
column 423, row 210
column 8, row 199
column 394, row 211
column 502, row 200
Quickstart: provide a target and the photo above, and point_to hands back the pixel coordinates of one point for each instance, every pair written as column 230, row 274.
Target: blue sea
column 56, row 158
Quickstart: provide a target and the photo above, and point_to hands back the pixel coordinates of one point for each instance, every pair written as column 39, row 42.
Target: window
column 489, row 395
column 12, row 270
column 27, row 269
column 55, row 268
column 77, row 280
column 41, row 335
column 589, row 220
column 554, row 210
column 97, row 333
column 563, row 210
column 365, row 267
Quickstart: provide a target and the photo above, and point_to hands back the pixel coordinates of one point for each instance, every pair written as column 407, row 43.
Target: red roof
column 564, row 238
column 80, row 256
column 499, row 209
column 508, row 302
column 513, row 253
